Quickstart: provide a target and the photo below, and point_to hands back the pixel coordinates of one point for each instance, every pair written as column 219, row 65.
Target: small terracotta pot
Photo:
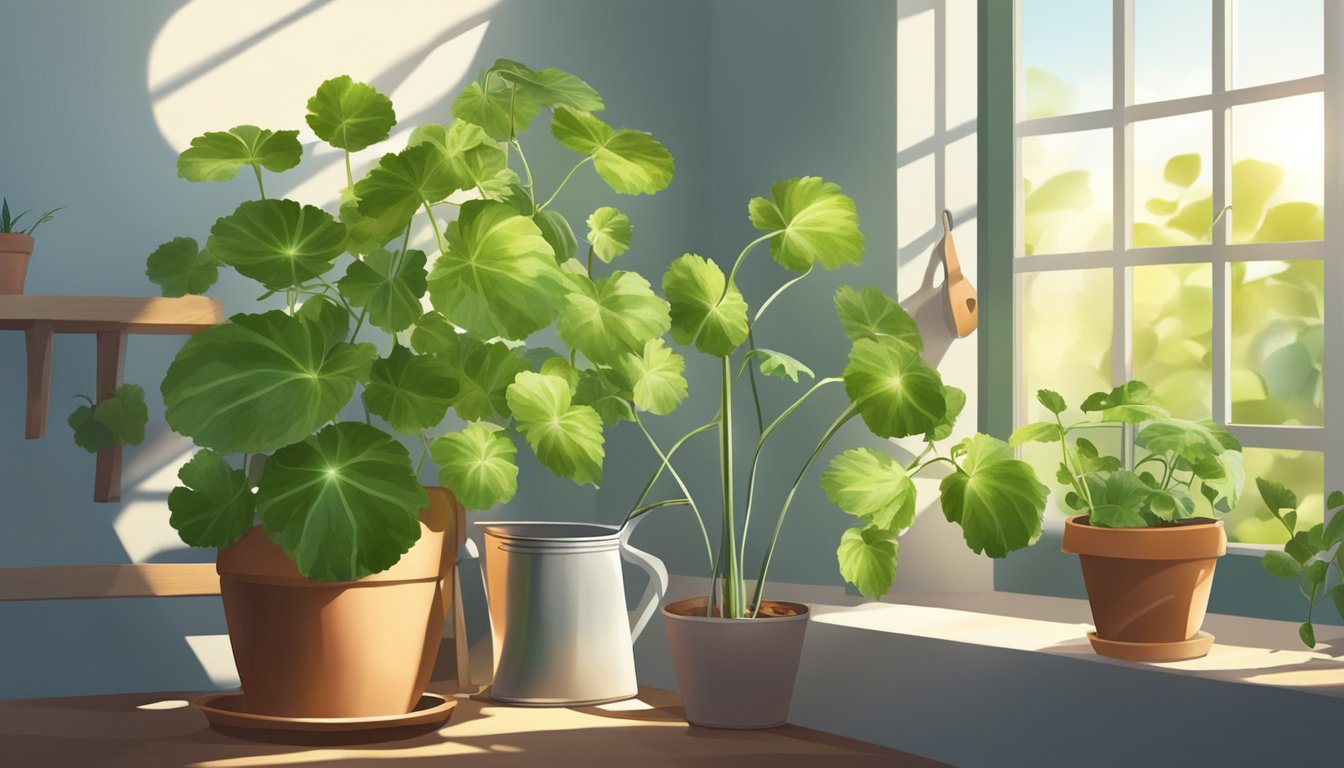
column 15, row 250
column 1148, row 587
column 362, row 648
column 736, row 673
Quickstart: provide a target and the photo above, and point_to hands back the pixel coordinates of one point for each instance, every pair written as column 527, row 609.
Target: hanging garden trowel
column 961, row 294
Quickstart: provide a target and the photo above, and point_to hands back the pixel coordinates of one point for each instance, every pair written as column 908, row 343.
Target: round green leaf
column 89, row 433
column 369, row 233
column 475, row 161
column 1052, row 401
column 124, row 413
column 1182, row 170
column 655, row 377
column 278, row 243
column 609, row 232
column 630, row 162
column 180, row 267
column 872, row 486
column 555, row 229
column 434, row 335
column 956, row 400
column 350, row 115
column 1036, row 432
column 600, row 389
column 411, row 392
column 780, row 365
column 869, row 314
column 219, row 155
column 343, row 503
column 477, row 465
column 492, row 104
column 1133, row 402
column 484, row 373
column 700, row 311
column 1119, row 499
column 818, row 222
column 567, row 438
column 389, row 287
column 260, row 382
column 498, row 276
column 332, row 318
column 867, row 559
column 216, row 506
column 549, row 87
column 995, row 498
column 402, row 182
column 896, row 393
column 612, row 317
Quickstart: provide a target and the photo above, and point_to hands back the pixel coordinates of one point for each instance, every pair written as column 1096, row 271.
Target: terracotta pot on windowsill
column 15, row 251
column 1148, row 587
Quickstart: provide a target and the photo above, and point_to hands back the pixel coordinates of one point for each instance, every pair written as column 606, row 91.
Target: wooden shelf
column 91, row 582
column 111, row 319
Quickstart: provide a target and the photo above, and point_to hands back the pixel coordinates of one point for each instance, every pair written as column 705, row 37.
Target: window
column 1178, row 221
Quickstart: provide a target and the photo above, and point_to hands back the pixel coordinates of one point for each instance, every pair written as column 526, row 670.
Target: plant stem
column 928, row 447
column 260, row 187
column 690, row 500
column 438, row 236
column 648, row 487
column 424, row 449
column 564, row 181
column 349, row 175
column 850, row 412
column 590, row 262
column 640, row 511
column 531, row 192
column 1079, row 484
column 732, row 577
column 776, row 295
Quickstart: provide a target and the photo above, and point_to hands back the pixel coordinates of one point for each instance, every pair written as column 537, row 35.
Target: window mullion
column 1333, row 311
column 1221, row 164
column 1122, row 140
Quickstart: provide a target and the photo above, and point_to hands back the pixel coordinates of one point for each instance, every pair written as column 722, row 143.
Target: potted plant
column 1310, row 553
column 16, row 247
column 334, row 598
column 1146, row 544
column 736, row 654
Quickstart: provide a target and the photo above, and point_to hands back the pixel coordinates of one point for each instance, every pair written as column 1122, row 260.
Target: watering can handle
column 657, row 588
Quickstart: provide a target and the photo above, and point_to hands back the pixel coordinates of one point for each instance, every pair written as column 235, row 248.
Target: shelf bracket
column 37, row 339
column 111, row 360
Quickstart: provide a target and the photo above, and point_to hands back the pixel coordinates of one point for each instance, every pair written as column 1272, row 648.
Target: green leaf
column 388, row 287
column 1160, row 207
column 331, row 317
column 477, row 465
column 870, row 314
column 956, row 401
column 559, row 366
column 411, row 392
column 498, row 276
column 491, row 104
column 404, row 181
column 1280, row 565
column 1300, row 547
column 567, row 438
column 369, row 234
column 550, row 87
column 555, row 229
column 779, row 365
column 484, row 373
column 219, row 155
column 1051, row 400
column 1172, row 504
column 1337, row 596
column 599, row 389
column 350, row 115
column 1133, row 402
column 995, row 498
column 180, row 267
column 260, row 382
column 1195, row 442
column 343, row 503
column 1118, row 499
column 1252, row 184
column 216, row 506
column 90, row 434
column 1182, row 170
column 701, row 314
column 434, row 335
column 609, row 232
column 474, row 160
column 1308, row 634
column 124, row 413
column 1334, row 530
column 1085, row 456
column 1277, row 497
column 1195, row 219
column 818, row 222
column 612, row 317
column 896, row 393
column 1288, row 222
column 1036, row 432
column 867, row 559
column 872, row 486
column 630, row 162
column 1066, row 192
column 278, row 243
column 654, row 377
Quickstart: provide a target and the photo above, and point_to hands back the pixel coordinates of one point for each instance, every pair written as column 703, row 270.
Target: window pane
column 1172, row 335
column 1278, row 170
column 1067, row 181
column 1066, row 346
column 1277, row 342
column 1276, row 40
column 1066, row 56
column 1172, row 53
column 1302, row 471
column 1173, row 194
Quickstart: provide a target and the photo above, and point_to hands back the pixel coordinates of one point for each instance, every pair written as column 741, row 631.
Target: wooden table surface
column 148, row 730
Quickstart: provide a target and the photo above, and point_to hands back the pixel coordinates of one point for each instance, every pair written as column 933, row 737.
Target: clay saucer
column 227, row 713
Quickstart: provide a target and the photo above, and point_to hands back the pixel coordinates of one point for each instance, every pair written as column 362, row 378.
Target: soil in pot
column 346, row 649
column 15, row 251
column 1148, row 587
column 736, row 673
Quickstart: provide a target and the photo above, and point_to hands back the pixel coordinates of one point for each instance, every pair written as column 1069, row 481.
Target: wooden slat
column 90, row 314
column 83, row 582
column 37, row 340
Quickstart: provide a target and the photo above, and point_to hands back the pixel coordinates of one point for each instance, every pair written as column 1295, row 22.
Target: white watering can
column 562, row 634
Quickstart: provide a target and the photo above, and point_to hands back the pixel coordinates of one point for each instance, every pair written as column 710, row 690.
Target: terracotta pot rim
column 1190, row 540
column 802, row 613
column 18, row 236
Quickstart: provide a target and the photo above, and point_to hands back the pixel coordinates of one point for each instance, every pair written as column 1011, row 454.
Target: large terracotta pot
column 736, row 673
column 15, row 250
column 361, row 648
column 1148, row 587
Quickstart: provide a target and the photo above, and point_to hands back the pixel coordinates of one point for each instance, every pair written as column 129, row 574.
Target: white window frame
column 1328, row 438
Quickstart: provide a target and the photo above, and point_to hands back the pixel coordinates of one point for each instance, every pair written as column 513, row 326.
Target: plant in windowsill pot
column 332, row 556
column 1310, row 553
column 736, row 656
column 16, row 247
column 120, row 417
column 1146, row 546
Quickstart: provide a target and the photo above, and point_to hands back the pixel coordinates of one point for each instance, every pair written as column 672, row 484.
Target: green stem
column 850, row 412
column 531, row 192
column 639, row 511
column 732, row 274
column 690, row 500
column 928, row 447
column 755, row 395
column 590, row 262
column 564, row 181
column 776, row 295
column 349, row 175
column 1079, row 485
column 732, row 575
column 648, row 487
column 260, row 187
column 438, row 237
column 424, row 451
